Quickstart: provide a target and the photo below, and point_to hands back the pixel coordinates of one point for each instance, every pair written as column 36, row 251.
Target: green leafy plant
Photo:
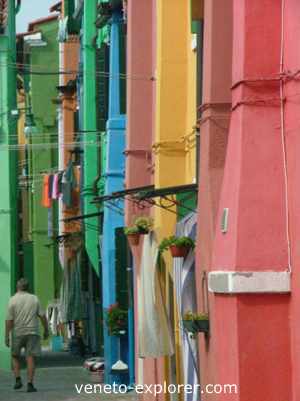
column 195, row 316
column 144, row 223
column 180, row 242
column 196, row 323
column 116, row 319
column 141, row 225
column 131, row 230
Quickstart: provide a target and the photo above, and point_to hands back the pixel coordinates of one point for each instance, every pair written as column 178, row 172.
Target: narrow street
column 56, row 376
column 150, row 200
column 55, row 384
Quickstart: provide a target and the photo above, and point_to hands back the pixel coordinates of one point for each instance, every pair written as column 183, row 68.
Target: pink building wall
column 214, row 126
column 141, row 64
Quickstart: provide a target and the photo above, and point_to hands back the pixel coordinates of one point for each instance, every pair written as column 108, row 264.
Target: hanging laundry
column 50, row 222
column 50, row 186
column 60, row 183
column 55, row 192
column 154, row 327
column 46, row 200
column 68, row 185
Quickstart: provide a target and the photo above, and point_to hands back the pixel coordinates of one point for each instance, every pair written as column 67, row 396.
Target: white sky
column 31, row 10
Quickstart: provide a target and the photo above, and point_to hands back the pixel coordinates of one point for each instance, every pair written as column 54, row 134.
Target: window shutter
column 122, row 263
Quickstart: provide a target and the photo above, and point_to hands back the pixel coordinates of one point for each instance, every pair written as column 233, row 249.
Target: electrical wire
column 47, row 145
column 57, row 134
column 29, row 71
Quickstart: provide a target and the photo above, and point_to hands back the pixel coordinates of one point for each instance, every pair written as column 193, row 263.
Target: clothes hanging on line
column 46, row 200
column 50, row 186
column 154, row 327
column 63, row 183
column 59, row 182
column 50, row 223
column 55, row 187
column 54, row 318
column 68, row 185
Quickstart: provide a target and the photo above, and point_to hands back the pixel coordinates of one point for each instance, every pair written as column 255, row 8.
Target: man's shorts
column 31, row 343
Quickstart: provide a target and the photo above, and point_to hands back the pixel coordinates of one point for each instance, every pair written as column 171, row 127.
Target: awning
column 149, row 194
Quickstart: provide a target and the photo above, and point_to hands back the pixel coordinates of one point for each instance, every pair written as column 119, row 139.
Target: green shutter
column 187, row 203
column 102, row 85
column 69, row 9
column 122, row 263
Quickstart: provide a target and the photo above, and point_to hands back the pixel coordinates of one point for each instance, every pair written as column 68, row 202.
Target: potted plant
column 196, row 322
column 179, row 246
column 116, row 320
column 133, row 235
column 144, row 224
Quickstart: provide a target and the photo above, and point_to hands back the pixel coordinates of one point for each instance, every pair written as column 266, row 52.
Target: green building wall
column 8, row 182
column 46, row 269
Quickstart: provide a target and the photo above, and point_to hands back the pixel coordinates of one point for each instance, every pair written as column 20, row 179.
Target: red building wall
column 291, row 93
column 250, row 341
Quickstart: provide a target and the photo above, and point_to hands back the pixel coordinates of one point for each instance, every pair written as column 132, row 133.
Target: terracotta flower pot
column 179, row 252
column 134, row 239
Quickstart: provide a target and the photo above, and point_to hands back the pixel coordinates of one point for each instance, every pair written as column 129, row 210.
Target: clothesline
column 59, row 185
column 50, row 145
column 59, row 133
column 46, row 71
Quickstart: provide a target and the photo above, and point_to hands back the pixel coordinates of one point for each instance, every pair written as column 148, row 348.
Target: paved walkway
column 56, row 384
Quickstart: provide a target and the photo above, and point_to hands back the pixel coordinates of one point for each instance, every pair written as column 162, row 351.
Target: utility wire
column 49, row 145
column 57, row 134
column 28, row 71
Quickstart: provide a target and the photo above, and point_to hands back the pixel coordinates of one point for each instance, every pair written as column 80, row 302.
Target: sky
column 31, row 10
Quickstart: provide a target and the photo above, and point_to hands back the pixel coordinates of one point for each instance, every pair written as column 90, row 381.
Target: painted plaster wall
column 91, row 153
column 175, row 116
column 43, row 90
column 291, row 62
column 139, row 137
column 253, row 189
column 69, row 62
column 214, row 127
column 8, row 184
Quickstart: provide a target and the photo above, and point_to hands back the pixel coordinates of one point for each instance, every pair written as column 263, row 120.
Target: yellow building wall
column 174, row 148
column 191, row 114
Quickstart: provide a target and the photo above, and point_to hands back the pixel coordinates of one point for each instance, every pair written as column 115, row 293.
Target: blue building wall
column 115, row 175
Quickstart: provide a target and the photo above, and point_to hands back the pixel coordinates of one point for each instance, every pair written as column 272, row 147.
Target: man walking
column 22, row 321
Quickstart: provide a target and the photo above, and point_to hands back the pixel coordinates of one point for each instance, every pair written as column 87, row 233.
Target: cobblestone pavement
column 55, row 384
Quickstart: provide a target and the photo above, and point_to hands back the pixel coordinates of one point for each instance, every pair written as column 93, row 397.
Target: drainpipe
column 91, row 153
column 8, row 166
